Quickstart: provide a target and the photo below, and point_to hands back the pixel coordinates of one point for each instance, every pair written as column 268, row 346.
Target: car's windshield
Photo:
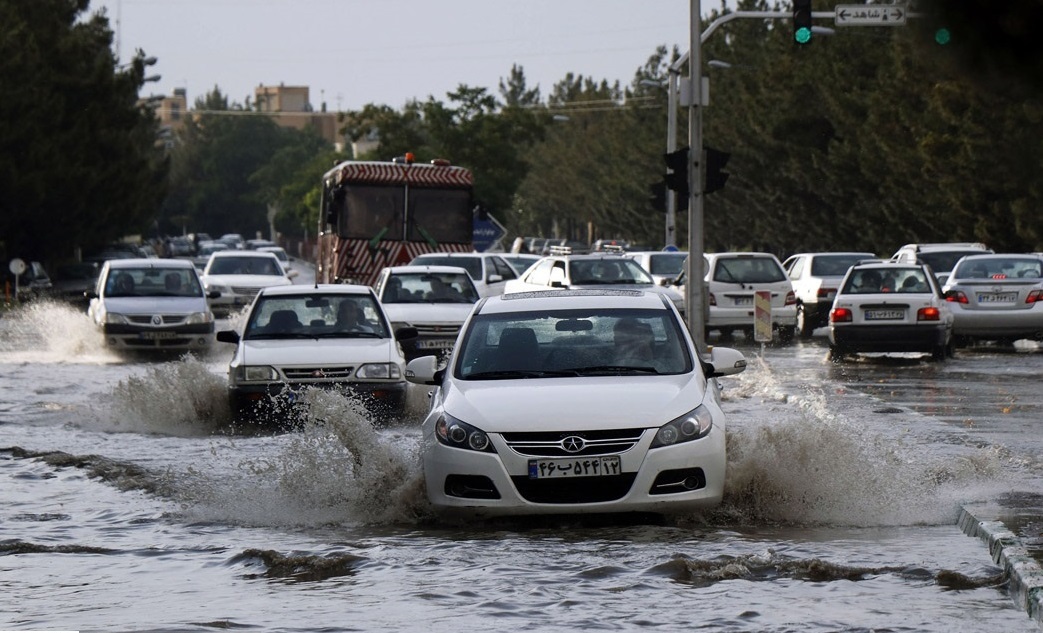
column 245, row 266
column 428, row 288
column 152, row 282
column 669, row 264
column 998, row 268
column 748, row 270
column 473, row 265
column 607, row 271
column 316, row 316
column 943, row 261
column 573, row 343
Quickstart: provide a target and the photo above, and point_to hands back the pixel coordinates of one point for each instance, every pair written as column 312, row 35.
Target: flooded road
column 129, row 503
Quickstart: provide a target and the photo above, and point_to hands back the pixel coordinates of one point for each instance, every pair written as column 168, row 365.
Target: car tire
column 836, row 355
column 940, row 353
column 787, row 334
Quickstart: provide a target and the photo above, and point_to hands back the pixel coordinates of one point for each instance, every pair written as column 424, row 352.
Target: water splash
column 51, row 332
column 183, row 398
column 337, row 468
column 804, row 462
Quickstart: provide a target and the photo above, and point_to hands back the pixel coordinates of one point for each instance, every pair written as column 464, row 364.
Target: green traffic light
column 802, row 35
column 942, row 36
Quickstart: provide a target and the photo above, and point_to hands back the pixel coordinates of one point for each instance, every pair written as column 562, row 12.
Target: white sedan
column 238, row 275
column 575, row 401
column 890, row 307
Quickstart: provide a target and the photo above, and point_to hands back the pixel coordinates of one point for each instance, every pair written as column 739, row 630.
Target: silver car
column 152, row 305
column 996, row 297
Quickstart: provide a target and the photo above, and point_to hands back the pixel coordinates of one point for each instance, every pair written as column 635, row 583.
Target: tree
column 79, row 163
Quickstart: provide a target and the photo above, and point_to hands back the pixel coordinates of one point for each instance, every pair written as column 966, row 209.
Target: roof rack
column 560, row 250
column 612, row 248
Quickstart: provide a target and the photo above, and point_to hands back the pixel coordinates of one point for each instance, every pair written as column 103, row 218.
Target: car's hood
column 320, row 352
column 154, row 305
column 428, row 312
column 246, row 281
column 573, row 403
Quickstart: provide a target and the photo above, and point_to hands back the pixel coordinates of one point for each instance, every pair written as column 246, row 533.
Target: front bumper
column 481, row 484
column 182, row 337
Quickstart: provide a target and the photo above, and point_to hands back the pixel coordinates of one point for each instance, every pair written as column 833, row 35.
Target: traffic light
column 802, row 21
column 715, row 176
column 677, row 177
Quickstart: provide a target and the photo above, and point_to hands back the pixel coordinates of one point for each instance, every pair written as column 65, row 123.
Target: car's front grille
column 552, row 444
column 574, row 490
column 445, row 330
column 318, row 373
column 168, row 319
column 245, row 291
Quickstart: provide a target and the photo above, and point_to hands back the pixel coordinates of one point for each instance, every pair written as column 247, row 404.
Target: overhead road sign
column 870, row 15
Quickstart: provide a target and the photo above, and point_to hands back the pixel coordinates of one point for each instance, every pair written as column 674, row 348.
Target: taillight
column 1034, row 296
column 930, row 313
column 791, row 299
column 956, row 296
column 840, row 315
column 825, row 293
column 713, row 299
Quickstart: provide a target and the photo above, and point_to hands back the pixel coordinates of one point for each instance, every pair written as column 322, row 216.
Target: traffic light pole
column 671, row 146
column 693, row 288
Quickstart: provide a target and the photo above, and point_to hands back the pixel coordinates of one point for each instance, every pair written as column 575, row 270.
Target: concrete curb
column 1025, row 577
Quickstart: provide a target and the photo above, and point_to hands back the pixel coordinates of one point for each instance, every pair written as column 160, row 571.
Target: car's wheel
column 940, row 352
column 836, row 354
column 804, row 328
column 787, row 334
column 961, row 341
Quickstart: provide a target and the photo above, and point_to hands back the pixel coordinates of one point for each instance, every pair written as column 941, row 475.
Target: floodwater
column 130, row 504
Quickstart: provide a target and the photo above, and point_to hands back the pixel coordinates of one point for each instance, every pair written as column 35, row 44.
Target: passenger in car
column 349, row 318
column 172, row 282
column 635, row 343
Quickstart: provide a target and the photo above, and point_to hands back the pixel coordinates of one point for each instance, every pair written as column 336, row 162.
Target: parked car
column 664, row 266
column 815, row 278
column 325, row 336
column 996, row 297
column 34, row 283
column 433, row 299
column 151, row 305
column 74, row 281
column 238, row 275
column 574, row 401
column 889, row 307
column 941, row 257
column 489, row 271
column 564, row 269
column 733, row 279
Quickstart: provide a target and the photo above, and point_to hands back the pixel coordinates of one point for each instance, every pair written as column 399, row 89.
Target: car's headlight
column 379, row 370
column 219, row 288
column 690, row 426
column 115, row 318
column 199, row 317
column 453, row 432
column 256, row 373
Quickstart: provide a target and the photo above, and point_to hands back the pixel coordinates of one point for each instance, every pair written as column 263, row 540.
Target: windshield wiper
column 504, row 374
column 614, row 369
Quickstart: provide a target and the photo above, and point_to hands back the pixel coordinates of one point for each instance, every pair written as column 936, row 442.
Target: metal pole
column 694, row 286
column 671, row 146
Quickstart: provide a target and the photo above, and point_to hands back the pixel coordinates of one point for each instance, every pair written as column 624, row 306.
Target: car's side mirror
column 406, row 333
column 228, row 336
column 725, row 361
column 213, row 294
column 292, row 273
column 494, row 278
column 423, row 371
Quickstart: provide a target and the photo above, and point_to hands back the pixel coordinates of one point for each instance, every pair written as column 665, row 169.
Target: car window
column 943, row 261
column 316, row 316
column 747, row 270
column 575, row 342
column 423, row 287
column 833, row 265
column 152, row 282
column 473, row 265
column 666, row 263
column 245, row 266
column 502, row 268
column 998, row 268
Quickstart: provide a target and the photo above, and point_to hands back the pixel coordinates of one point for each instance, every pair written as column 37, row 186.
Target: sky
column 353, row 52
